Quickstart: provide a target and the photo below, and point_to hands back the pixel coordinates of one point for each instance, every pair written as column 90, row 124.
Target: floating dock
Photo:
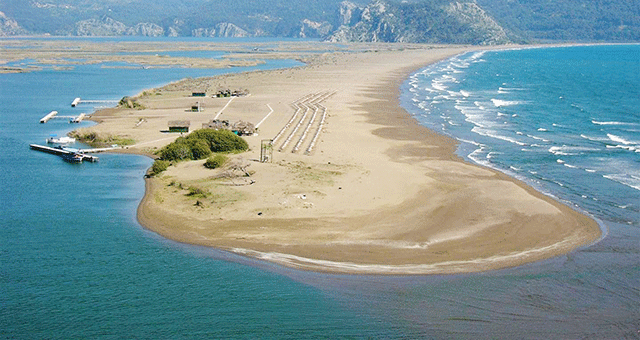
column 61, row 152
column 75, row 102
column 48, row 117
column 78, row 119
column 54, row 114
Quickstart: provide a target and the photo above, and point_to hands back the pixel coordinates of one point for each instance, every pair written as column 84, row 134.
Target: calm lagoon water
column 76, row 264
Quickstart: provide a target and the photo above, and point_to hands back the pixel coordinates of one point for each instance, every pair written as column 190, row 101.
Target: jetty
column 48, row 117
column 54, row 114
column 78, row 119
column 63, row 152
column 75, row 102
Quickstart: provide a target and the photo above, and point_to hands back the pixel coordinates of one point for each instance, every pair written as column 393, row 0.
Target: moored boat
column 60, row 140
column 74, row 157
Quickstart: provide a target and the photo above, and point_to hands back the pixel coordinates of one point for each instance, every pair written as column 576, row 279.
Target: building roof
column 179, row 123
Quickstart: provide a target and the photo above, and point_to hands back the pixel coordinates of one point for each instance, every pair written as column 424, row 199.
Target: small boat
column 74, row 157
column 60, row 140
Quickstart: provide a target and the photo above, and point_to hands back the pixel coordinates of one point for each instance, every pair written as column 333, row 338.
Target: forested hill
column 568, row 20
column 433, row 21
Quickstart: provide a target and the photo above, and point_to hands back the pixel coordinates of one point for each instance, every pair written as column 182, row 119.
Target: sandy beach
column 367, row 191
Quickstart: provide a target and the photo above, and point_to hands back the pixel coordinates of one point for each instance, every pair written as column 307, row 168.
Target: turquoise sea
column 75, row 263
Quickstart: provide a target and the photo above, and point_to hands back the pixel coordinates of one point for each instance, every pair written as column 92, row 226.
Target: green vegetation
column 216, row 161
column 197, row 192
column 158, row 167
column 100, row 140
column 417, row 20
column 568, row 20
column 130, row 103
column 221, row 140
column 200, row 148
column 176, row 151
column 200, row 143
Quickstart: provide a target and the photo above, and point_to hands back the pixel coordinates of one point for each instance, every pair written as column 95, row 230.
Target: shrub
column 215, row 161
column 197, row 192
column 176, row 151
column 220, row 140
column 199, row 148
column 159, row 166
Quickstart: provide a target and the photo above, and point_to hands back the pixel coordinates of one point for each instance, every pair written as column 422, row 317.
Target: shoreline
column 354, row 244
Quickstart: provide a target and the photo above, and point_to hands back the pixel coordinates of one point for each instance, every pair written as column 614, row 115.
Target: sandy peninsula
column 356, row 186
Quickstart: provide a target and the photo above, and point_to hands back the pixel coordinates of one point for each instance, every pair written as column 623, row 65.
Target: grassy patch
column 100, row 140
column 197, row 192
column 323, row 174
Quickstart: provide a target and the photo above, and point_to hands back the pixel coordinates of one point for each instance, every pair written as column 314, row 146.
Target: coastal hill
column 481, row 22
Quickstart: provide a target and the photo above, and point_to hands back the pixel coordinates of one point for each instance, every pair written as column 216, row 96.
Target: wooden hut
column 243, row 128
column 217, row 125
column 179, row 126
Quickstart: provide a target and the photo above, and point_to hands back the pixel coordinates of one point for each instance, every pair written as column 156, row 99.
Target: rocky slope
column 9, row 26
column 484, row 22
column 453, row 22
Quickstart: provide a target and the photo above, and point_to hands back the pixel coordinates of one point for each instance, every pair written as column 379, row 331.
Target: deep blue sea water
column 75, row 263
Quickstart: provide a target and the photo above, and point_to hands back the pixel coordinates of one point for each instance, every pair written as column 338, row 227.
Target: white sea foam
column 510, row 89
column 539, row 138
column 613, row 123
column 438, row 86
column 595, row 139
column 477, row 119
column 490, row 154
column 557, row 150
column 626, row 179
column 619, row 139
column 494, row 134
column 479, row 105
column 501, row 103
column 570, row 150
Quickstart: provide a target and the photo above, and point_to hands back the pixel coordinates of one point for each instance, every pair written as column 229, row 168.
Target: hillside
column 419, row 21
column 568, row 20
column 422, row 22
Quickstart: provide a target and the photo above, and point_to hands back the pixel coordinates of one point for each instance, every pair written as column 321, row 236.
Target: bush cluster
column 201, row 143
column 220, row 140
column 216, row 161
column 159, row 166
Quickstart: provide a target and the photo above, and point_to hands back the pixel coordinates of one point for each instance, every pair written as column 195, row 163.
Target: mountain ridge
column 480, row 22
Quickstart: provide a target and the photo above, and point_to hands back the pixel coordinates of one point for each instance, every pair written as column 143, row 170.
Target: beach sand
column 376, row 194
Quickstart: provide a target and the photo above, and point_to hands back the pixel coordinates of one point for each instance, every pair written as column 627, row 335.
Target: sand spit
column 354, row 185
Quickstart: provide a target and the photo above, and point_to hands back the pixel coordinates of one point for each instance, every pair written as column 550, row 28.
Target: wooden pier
column 62, row 152
column 54, row 114
column 78, row 119
column 48, row 117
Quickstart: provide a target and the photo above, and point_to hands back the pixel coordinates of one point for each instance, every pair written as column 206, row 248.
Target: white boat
column 60, row 140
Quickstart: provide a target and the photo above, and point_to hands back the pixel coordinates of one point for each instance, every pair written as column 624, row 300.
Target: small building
column 217, row 125
column 230, row 93
column 197, row 107
column 179, row 125
column 242, row 128
column 198, row 94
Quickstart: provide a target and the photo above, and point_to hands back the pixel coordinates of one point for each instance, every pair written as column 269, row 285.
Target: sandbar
column 376, row 193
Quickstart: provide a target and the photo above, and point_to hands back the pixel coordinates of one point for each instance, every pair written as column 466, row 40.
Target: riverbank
column 377, row 194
